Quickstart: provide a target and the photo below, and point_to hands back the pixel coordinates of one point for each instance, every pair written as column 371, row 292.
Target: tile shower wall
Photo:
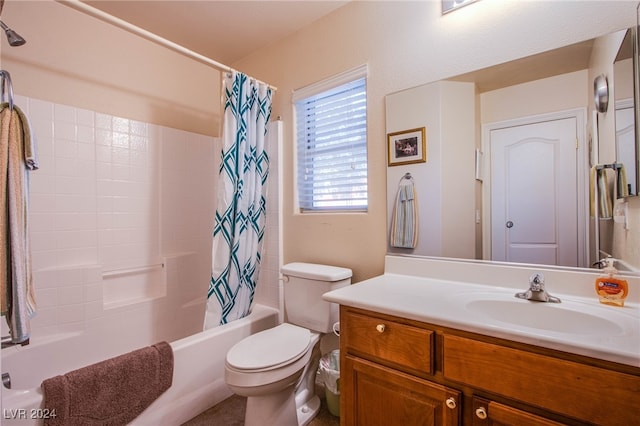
column 114, row 193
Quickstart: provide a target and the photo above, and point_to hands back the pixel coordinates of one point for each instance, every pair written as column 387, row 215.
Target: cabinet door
column 375, row 395
column 490, row 413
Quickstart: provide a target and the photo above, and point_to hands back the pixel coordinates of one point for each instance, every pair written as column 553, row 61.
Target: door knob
column 509, row 224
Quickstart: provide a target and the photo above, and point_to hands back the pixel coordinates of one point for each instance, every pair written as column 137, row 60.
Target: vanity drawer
column 577, row 390
column 385, row 340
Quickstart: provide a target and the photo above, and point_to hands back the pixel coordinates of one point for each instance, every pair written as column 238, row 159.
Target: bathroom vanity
column 430, row 342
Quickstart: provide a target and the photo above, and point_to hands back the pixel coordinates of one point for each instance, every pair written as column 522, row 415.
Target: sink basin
column 578, row 317
column 545, row 316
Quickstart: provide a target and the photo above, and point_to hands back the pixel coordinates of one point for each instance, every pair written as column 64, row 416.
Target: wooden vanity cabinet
column 396, row 371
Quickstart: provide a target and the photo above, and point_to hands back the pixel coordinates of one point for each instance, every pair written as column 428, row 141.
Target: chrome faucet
column 537, row 291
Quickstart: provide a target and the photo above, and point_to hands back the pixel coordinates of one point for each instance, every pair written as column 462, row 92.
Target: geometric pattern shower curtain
column 241, row 207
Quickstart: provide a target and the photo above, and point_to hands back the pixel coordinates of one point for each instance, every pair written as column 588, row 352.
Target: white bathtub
column 198, row 377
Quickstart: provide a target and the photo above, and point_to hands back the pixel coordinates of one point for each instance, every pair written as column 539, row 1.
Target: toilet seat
column 270, row 349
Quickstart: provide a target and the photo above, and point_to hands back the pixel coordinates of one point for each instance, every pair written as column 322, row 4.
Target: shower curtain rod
column 103, row 16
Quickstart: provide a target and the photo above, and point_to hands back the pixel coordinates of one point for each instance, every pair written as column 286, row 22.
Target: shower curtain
column 241, row 209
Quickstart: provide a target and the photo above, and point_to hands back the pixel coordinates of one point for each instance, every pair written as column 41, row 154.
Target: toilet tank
column 304, row 285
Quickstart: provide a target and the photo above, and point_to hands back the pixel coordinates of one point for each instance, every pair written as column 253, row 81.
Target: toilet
column 276, row 368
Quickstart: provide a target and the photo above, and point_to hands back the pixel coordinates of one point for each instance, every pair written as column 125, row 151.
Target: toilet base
column 308, row 411
column 272, row 409
column 280, row 409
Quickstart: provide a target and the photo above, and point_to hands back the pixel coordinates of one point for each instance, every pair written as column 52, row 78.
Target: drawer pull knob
column 481, row 413
column 380, row 328
column 451, row 402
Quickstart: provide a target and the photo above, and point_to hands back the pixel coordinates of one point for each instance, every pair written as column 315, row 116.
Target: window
column 331, row 133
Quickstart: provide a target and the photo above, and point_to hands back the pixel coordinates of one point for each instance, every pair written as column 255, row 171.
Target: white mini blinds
column 331, row 133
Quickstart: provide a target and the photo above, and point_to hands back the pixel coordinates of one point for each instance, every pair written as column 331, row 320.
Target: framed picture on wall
column 407, row 147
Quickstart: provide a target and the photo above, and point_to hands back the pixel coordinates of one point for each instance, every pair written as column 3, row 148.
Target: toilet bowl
column 273, row 370
column 276, row 368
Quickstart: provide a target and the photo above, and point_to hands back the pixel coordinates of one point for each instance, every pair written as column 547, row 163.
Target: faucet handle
column 536, row 290
column 536, row 282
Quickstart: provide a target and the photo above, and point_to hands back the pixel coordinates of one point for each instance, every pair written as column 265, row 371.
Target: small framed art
column 408, row 146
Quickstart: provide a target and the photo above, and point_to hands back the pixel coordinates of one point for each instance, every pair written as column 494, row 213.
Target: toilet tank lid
column 314, row 271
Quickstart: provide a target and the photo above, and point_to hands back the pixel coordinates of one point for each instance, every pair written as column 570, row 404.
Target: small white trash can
column 330, row 375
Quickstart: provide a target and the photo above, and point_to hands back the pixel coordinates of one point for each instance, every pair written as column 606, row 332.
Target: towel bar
column 614, row 166
column 128, row 271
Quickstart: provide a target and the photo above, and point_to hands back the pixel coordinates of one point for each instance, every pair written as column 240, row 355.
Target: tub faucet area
column 537, row 291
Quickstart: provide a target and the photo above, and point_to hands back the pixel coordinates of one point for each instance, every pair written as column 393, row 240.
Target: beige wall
column 563, row 92
column 73, row 59
column 405, row 44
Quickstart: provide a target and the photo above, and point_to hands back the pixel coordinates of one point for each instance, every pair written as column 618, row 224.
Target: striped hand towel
column 404, row 223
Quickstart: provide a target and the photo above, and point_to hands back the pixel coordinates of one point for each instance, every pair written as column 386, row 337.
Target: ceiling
column 229, row 30
column 225, row 31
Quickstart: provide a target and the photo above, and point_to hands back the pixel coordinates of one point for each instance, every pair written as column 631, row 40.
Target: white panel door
column 534, row 193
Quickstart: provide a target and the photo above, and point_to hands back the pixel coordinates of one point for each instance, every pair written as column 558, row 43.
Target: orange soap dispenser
column 611, row 289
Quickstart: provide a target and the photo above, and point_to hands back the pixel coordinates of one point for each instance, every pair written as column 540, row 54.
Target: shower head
column 13, row 37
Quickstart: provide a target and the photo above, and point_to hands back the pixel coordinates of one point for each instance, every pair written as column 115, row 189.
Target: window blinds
column 331, row 132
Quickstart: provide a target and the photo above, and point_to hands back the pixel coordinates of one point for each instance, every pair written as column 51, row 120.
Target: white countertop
column 611, row 333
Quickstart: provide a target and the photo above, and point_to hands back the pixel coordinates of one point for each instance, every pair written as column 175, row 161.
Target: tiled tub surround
column 121, row 221
column 438, row 291
column 115, row 195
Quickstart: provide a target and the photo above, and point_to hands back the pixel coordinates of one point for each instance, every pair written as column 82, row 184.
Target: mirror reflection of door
column 534, row 193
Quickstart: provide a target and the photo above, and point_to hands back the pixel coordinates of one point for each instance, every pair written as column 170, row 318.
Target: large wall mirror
column 509, row 156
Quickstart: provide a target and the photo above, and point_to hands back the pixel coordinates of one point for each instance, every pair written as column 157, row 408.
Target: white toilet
column 276, row 368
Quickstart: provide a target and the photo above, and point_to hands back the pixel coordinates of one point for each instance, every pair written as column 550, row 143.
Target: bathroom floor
column 230, row 412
